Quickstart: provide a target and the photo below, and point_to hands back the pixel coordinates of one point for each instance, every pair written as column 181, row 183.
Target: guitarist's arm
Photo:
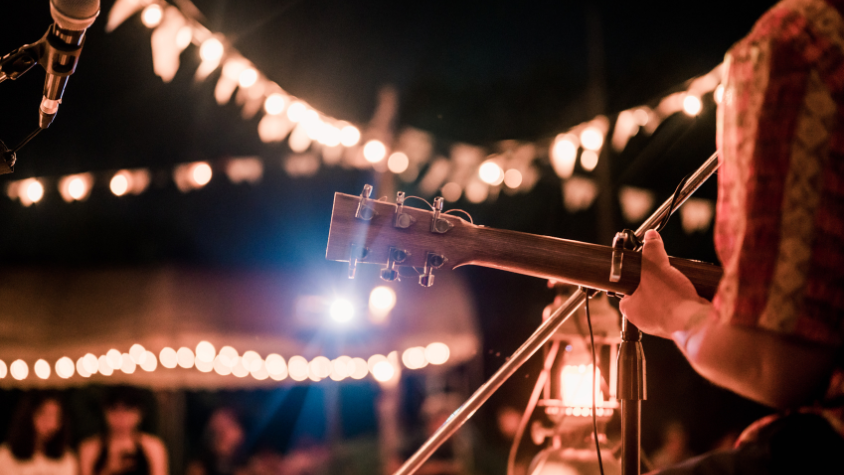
column 758, row 364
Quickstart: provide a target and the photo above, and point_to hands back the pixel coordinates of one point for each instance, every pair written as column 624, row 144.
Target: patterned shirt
column 779, row 228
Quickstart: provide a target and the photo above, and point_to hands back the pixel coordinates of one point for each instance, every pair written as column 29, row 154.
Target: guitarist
column 775, row 329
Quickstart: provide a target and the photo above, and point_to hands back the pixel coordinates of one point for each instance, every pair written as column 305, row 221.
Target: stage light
column 564, row 155
column 491, row 173
column 297, row 367
column 296, row 111
column 382, row 299
column 128, row 365
column 349, row 136
column 119, row 184
column 137, row 352
column 185, row 357
column 150, row 363
column 3, row 369
column 383, row 371
column 64, row 367
column 589, row 160
column 228, row 356
column 414, row 358
column 252, row 361
column 91, row 364
column 211, row 50
column 274, row 104
column 184, row 37
column 115, row 359
column 168, row 358
column 19, row 369
column 451, row 191
column 592, row 138
column 437, row 353
column 513, row 178
column 34, row 191
column 200, row 174
column 692, row 105
column 247, row 78
column 398, row 162
column 341, row 311
column 80, row 368
column 718, row 95
column 152, row 15
column 577, row 386
column 359, row 368
column 374, row 151
column 104, row 367
column 42, row 369
column 205, row 352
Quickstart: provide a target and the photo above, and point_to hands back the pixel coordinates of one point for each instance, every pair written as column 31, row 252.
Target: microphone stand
column 631, row 357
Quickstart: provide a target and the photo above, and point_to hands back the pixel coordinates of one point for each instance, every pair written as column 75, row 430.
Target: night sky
column 470, row 71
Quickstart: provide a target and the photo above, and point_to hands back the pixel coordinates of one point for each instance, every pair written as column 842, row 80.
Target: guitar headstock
column 393, row 235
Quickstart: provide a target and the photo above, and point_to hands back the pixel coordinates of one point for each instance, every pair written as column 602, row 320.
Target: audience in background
column 122, row 449
column 38, row 438
column 222, row 446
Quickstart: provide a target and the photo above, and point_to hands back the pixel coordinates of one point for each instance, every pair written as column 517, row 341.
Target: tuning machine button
column 356, row 253
column 402, row 220
column 439, row 224
column 396, row 256
column 432, row 261
column 365, row 211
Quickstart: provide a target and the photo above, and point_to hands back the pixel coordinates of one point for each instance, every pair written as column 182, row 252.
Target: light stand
column 631, row 431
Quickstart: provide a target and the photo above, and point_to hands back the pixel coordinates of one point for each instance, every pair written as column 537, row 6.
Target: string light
column 3, row 369
column 592, row 138
column 274, row 104
column 437, row 353
column 247, row 78
column 398, row 162
column 211, row 50
column 297, row 368
column 718, row 95
column 383, row 371
column 104, row 367
column 119, row 184
column 692, row 105
column 589, row 160
column 451, row 191
column 491, row 173
column 64, row 367
column 34, row 190
column 184, row 37
column 42, row 369
column 19, row 370
column 152, row 15
column 150, row 363
column 185, row 358
column 359, row 368
column 205, row 352
column 137, row 353
column 564, row 154
column 414, row 358
column 374, row 151
column 382, row 299
column 296, row 111
column 90, row 363
column 201, row 173
column 80, row 368
column 168, row 358
column 128, row 365
column 114, row 359
column 228, row 356
column 349, row 136
column 513, row 178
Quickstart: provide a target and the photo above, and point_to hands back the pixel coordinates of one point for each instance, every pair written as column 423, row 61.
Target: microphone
column 63, row 44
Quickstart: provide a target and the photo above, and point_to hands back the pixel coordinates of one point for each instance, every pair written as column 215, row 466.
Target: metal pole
column 519, row 357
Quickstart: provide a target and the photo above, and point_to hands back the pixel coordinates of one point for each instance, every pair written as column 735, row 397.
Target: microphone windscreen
column 75, row 14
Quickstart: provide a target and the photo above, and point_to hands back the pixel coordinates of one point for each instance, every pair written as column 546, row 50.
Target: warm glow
column 383, row 371
column 261, row 373
column 358, row 368
column 437, row 353
column 104, row 367
column 513, row 178
column 3, row 369
column 374, row 151
column 718, row 95
column 296, row 111
column 115, row 359
column 320, row 367
column 228, row 356
column 90, row 362
column 297, row 367
column 342, row 311
column 239, row 370
column 64, row 367
column 328, row 135
column 80, row 368
column 692, row 105
column 564, row 155
column 274, row 104
column 128, row 365
column 168, row 358
column 641, row 116
column 276, row 365
column 491, row 173
column 185, row 357
column 204, row 366
column 149, row 363
column 138, row 353
column 398, row 162
column 77, row 188
column 247, row 78
column 200, row 173
column 34, row 191
column 349, row 136
column 592, row 138
column 151, row 16
column 451, row 191
column 211, row 50
column 205, row 352
column 414, row 358
column 252, row 361
column 221, row 368
column 382, row 299
column 576, row 383
column 589, row 160
column 19, row 369
column 119, row 184
column 184, row 37
column 341, row 368
column 476, row 191
column 42, row 369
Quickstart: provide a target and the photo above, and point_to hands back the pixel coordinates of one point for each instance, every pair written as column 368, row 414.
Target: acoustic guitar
column 400, row 238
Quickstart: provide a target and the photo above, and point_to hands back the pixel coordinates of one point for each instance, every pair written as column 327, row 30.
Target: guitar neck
column 574, row 262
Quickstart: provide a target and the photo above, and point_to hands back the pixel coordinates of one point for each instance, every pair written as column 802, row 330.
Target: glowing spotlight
column 104, row 367
column 152, row 15
column 349, row 136
column 513, row 178
column 42, row 369
column 383, row 371
column 274, row 104
column 437, row 353
column 358, row 368
column 150, row 363
column 34, row 191
column 374, row 151
column 80, row 368
column 185, row 358
column 252, row 361
column 564, row 155
column 168, row 358
column 398, row 162
column 342, row 311
column 414, row 358
column 320, row 367
column 297, row 367
column 119, row 184
column 276, row 366
column 137, row 353
column 491, row 173
column 114, row 358
column 221, row 368
column 589, row 160
column 692, row 105
column 128, row 365
column 247, row 78
column 205, row 352
column 592, row 138
column 211, row 50
column 228, row 356
column 200, row 174
column 19, row 369
column 382, row 299
column 296, row 111
column 64, row 367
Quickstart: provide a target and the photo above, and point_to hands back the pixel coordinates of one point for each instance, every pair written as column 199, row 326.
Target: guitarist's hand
column 665, row 299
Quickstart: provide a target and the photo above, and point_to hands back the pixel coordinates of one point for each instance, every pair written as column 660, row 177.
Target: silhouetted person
column 38, row 438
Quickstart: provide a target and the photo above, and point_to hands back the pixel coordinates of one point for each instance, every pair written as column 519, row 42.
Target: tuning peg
column 432, row 261
column 364, row 211
column 439, row 225
column 402, row 220
column 396, row 256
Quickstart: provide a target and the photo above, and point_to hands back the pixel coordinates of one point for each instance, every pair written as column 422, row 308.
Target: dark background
column 468, row 71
